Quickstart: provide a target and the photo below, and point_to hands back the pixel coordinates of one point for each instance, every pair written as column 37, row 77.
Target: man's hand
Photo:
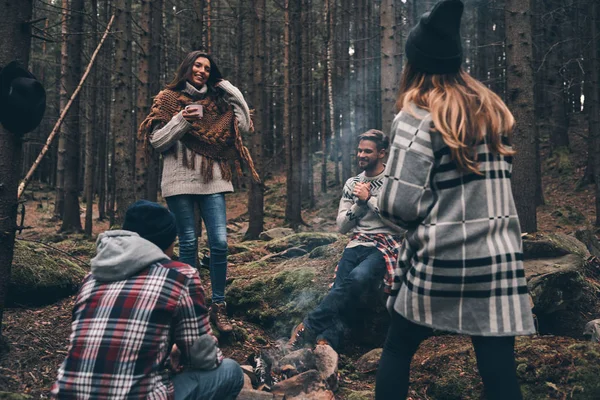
column 362, row 190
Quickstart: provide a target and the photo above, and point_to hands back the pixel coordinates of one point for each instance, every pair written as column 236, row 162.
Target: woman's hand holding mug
column 193, row 112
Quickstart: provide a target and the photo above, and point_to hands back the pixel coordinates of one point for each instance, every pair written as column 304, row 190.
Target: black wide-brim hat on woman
column 22, row 99
column 434, row 44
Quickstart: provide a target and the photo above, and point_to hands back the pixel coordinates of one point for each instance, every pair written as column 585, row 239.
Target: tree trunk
column 71, row 221
column 59, row 201
column 327, row 96
column 143, row 97
column 520, row 101
column 306, row 107
column 197, row 24
column 594, row 101
column 556, row 124
column 90, row 140
column 16, row 42
column 255, row 195
column 208, row 26
column 121, row 121
column 154, row 85
column 390, row 62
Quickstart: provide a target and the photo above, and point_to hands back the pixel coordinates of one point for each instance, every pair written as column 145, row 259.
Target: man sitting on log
column 369, row 256
column 130, row 312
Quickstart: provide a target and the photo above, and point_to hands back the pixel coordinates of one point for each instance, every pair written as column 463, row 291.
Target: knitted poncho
column 215, row 136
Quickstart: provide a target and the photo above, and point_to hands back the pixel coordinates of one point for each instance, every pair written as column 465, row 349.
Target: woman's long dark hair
column 184, row 72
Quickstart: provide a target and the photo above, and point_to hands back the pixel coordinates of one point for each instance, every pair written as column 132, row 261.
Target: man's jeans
column 222, row 383
column 213, row 212
column 358, row 270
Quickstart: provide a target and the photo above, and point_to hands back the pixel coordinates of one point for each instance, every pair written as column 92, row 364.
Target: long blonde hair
column 464, row 112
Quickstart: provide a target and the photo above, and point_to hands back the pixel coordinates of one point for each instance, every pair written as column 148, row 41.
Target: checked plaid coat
column 460, row 266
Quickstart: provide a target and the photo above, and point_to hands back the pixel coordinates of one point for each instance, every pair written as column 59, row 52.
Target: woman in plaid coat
column 447, row 181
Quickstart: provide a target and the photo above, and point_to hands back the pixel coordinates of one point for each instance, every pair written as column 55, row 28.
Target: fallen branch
column 63, row 114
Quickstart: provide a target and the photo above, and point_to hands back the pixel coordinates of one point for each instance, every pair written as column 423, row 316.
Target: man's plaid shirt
column 123, row 331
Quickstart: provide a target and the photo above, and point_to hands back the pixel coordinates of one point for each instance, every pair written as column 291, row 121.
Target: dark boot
column 218, row 316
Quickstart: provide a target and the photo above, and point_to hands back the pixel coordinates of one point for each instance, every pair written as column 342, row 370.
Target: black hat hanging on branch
column 22, row 99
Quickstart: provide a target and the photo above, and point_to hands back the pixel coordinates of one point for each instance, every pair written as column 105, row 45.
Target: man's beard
column 369, row 166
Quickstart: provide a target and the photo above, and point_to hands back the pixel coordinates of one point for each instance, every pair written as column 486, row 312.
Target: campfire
column 278, row 373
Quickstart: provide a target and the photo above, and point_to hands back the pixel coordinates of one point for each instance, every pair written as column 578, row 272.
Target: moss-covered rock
column 41, row 275
column 275, row 301
column 305, row 240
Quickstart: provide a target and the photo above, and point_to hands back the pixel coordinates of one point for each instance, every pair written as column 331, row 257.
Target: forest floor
column 38, row 337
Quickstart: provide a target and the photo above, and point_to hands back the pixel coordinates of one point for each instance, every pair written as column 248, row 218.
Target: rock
column 247, row 383
column 293, row 252
column 369, row 362
column 276, row 300
column 302, row 360
column 552, row 245
column 322, row 252
column 41, row 275
column 236, row 248
column 555, row 283
column 250, row 394
column 588, row 238
column 248, row 370
column 275, row 233
column 592, row 330
column 306, row 240
column 326, row 360
column 244, row 257
column 315, row 395
column 301, row 386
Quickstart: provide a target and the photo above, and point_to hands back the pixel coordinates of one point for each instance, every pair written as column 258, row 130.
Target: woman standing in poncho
column 198, row 151
column 447, row 181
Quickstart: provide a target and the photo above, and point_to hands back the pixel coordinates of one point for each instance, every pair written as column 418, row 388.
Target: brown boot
column 298, row 336
column 218, row 316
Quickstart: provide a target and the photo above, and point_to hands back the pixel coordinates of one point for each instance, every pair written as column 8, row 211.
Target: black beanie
column 151, row 221
column 433, row 45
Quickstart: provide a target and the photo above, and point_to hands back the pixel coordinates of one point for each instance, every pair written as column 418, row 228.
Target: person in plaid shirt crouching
column 370, row 255
column 136, row 308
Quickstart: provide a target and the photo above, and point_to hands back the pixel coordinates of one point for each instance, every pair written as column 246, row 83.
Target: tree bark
column 122, row 117
column 59, row 200
column 16, row 42
column 256, row 195
column 90, row 140
column 520, row 101
column 71, row 221
column 143, row 97
column 154, row 86
column 594, row 101
column 390, row 62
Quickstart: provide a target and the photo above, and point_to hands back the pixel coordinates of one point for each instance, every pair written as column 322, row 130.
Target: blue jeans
column 212, row 210
column 224, row 382
column 358, row 270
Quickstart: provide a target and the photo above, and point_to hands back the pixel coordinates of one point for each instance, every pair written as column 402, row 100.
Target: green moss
column 305, row 240
column 13, row 396
column 41, row 275
column 275, row 301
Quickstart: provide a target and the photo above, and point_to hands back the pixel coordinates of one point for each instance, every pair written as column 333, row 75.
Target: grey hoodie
column 121, row 254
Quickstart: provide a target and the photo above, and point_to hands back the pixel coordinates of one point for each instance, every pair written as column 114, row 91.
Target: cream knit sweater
column 178, row 179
